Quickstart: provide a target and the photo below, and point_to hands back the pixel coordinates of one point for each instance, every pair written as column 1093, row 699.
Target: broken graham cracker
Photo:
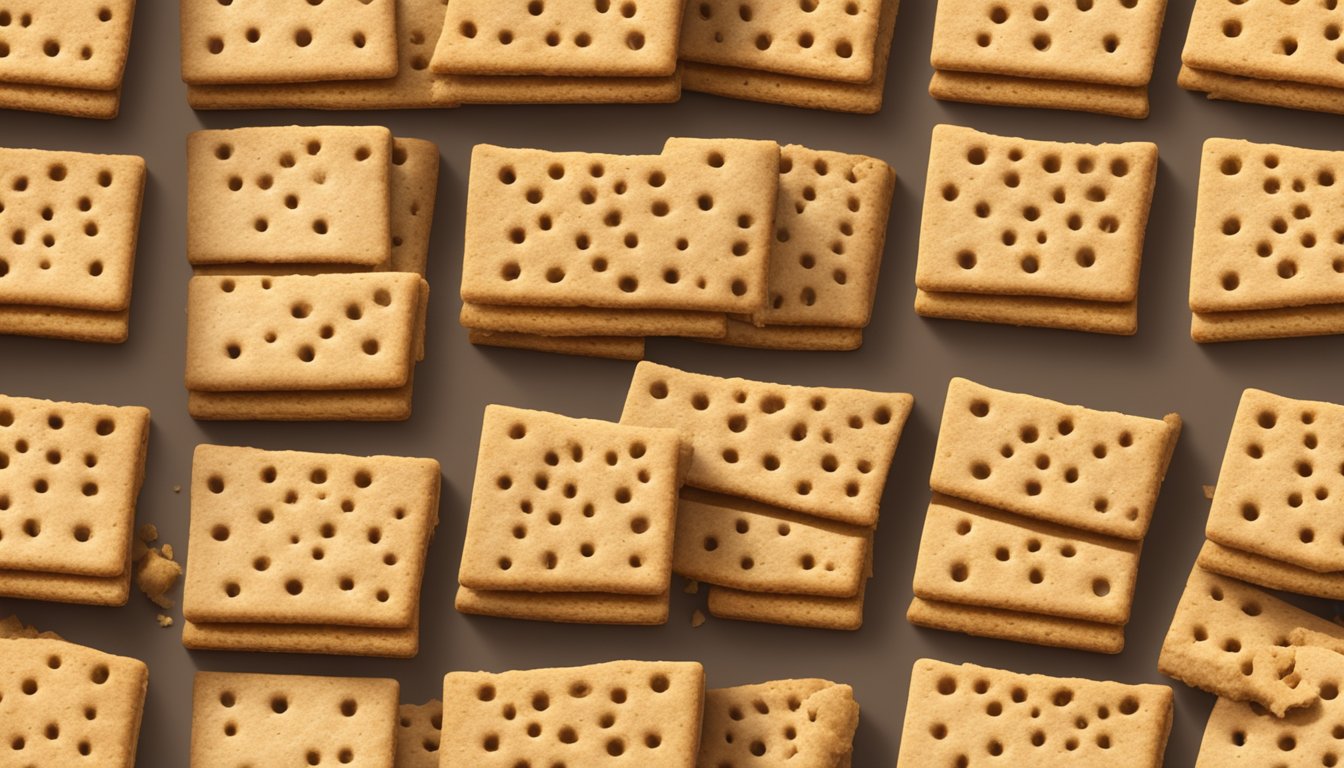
column 1097, row 471
column 1267, row 572
column 1007, row 216
column 1274, row 488
column 583, row 321
column 250, row 41
column 1283, row 42
column 800, row 723
column 275, row 721
column 612, row 347
column 688, row 229
column 575, row 38
column 816, row 450
column 1240, row 733
column 69, row 477
column 978, row 556
column 71, row 224
column 307, row 195
column 79, row 45
column 363, row 526
column 1235, row 640
column 565, row 607
column 65, row 703
column 1036, row 629
column 744, row 545
column 156, row 574
column 418, row 730
column 645, row 709
column 571, row 505
column 956, row 711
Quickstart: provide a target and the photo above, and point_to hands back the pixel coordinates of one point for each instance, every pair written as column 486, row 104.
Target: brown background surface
column 1157, row 371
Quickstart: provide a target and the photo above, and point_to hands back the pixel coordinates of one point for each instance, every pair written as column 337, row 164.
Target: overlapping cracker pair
column 310, row 246
column 1038, row 517
column 1086, row 55
column 1268, row 257
column 66, row 58
column 731, row 241
column 1035, row 233
column 1285, row 54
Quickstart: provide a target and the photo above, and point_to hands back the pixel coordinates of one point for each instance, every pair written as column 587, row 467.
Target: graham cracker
column 1273, row 93
column 583, row 321
column 1234, row 640
column 309, row 195
column 77, row 44
column 571, row 505
column 955, row 711
column 1317, row 320
column 415, row 182
column 565, row 607
column 393, row 643
column 270, row 721
column 1278, row 41
column 1009, row 91
column 418, row 730
column 1273, row 493
column 703, row 206
column 252, row 41
column 65, row 703
column 312, row 405
column 1093, row 470
column 790, row 337
column 977, row 556
column 614, row 347
column 816, row 450
column 67, row 588
column 1033, row 628
column 455, row 90
column 362, row 526
column 71, row 102
column 839, row 613
column 1266, row 572
column 651, row 709
column 1034, row 218
column 1119, row 318
column 799, row 723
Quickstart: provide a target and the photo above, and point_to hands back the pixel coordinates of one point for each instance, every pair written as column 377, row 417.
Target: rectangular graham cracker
column 92, row 701
column 1036, row 629
column 69, row 477
column 754, row 547
column 1259, row 42
column 1239, row 733
column 799, row 723
column 571, row 505
column 1118, row 318
column 1266, row 572
column 1273, row 93
column 70, row 222
column 1009, row 91
column 688, row 229
column 253, row 41
column 1314, row 320
column 311, row 405
column 613, row 347
column 810, row 611
column 363, row 525
column 415, row 184
column 419, row 23
column 1034, row 218
column 309, row 195
column 1234, row 640
column 67, row 324
column 638, row 703
column 1273, row 493
column 75, row 44
column 1098, row 471
column 68, row 588
column 279, row 721
column 758, row 83
column 565, row 607
column 419, row 727
column 324, row 332
column 790, row 337
column 71, row 102
column 955, row 710
column 816, row 450
column 1265, row 234
column 1109, row 43
column 978, row 556
column 830, row 229
column 583, row 321
column 456, row 90
column 393, row 643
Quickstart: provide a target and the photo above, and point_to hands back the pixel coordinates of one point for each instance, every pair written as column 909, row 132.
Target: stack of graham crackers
column 1284, row 54
column 571, row 520
column 310, row 246
column 1268, row 250
column 1035, row 233
column 69, row 477
column 787, row 483
column 307, row 552
column 820, row 55
column 730, row 241
column 1038, row 517
column 1088, row 55
column 365, row 54
column 558, row 51
column 66, row 58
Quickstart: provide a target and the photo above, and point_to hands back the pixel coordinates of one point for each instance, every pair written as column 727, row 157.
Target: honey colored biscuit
column 840, row 613
column 652, row 710
column 65, row 703
column 1010, row 91
column 1284, row 41
column 613, row 347
column 583, row 321
column 1266, row 572
column 418, row 730
column 394, row 643
column 1034, row 628
column 1120, row 318
column 1273, row 93
column 76, row 44
column 270, row 721
column 1093, row 470
column 1314, row 320
column 415, row 183
column 68, row 588
column 790, row 337
column 565, row 607
column 956, row 711
column 815, row 450
column 71, row 102
column 312, row 405
column 455, row 90
column 799, row 723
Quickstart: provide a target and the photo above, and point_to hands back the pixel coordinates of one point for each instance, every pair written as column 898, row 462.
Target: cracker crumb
column 168, row 551
column 165, row 620
column 1208, row 492
column 692, row 587
column 697, row 618
column 177, row 489
column 148, row 533
column 13, row 628
column 156, row 574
